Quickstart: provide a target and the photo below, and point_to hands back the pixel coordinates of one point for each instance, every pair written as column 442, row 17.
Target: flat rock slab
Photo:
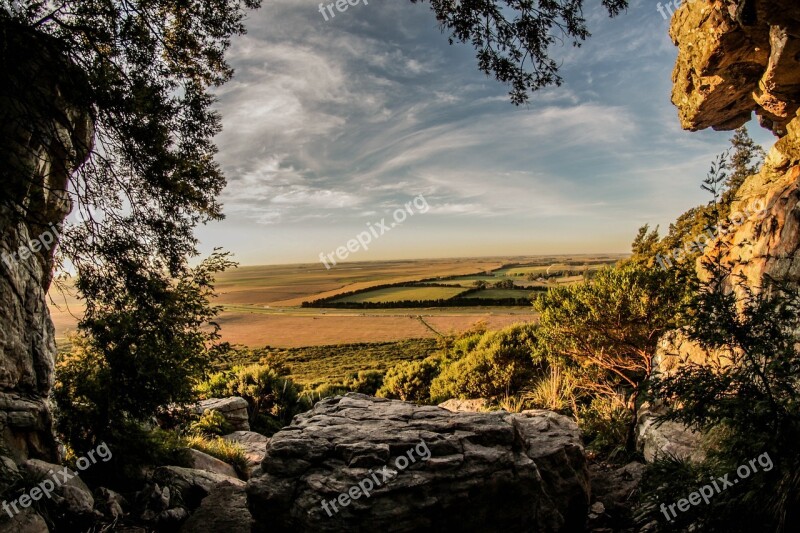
column 430, row 470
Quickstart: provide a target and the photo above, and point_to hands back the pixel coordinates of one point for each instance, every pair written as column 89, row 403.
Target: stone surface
column 234, row 409
column 43, row 137
column 736, row 57
column 254, row 444
column 465, row 406
column 203, row 461
column 9, row 474
column 225, row 509
column 192, row 485
column 72, row 496
column 656, row 440
column 484, row 471
column 109, row 503
column 27, row 521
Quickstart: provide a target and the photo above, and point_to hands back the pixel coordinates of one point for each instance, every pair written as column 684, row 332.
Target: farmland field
column 498, row 294
column 262, row 304
column 399, row 294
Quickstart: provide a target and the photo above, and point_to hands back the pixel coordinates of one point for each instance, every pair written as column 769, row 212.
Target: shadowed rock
column 470, row 471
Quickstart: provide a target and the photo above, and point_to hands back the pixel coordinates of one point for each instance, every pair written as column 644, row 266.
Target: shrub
column 499, row 364
column 365, row 382
column 411, row 381
column 605, row 423
column 272, row 399
column 211, row 423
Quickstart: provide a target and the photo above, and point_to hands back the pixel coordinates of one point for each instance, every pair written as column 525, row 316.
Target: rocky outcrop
column 736, row 57
column 429, row 469
column 234, row 409
column 188, row 486
column 44, row 136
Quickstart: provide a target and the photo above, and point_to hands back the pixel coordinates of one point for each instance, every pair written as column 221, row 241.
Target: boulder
column 72, row 496
column 9, row 474
column 26, row 521
column 735, row 58
column 659, row 440
column 109, row 503
column 190, row 484
column 225, row 509
column 234, row 409
column 254, row 445
column 615, row 491
column 203, row 461
column 430, row 470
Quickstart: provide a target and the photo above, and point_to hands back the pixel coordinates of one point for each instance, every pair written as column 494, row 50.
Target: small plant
column 211, row 423
column 513, row 404
column 604, row 423
column 556, row 391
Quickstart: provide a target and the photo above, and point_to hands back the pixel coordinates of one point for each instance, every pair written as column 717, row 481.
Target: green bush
column 605, row 422
column 273, row 400
column 365, row 382
column 411, row 381
column 211, row 423
column 499, row 364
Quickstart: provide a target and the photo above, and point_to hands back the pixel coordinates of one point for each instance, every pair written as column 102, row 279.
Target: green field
column 399, row 294
column 497, row 294
column 319, row 364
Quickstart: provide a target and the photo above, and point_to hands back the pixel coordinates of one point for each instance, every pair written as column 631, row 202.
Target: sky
column 330, row 127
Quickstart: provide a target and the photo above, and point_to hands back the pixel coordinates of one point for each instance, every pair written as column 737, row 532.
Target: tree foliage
column 513, row 38
column 137, row 360
column 746, row 396
column 607, row 330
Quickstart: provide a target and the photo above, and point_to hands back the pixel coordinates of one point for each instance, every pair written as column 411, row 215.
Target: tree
column 513, row 38
column 746, row 159
column 606, row 331
column 137, row 360
column 745, row 396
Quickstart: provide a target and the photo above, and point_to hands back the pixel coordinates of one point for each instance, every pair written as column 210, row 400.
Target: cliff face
column 736, row 57
column 43, row 137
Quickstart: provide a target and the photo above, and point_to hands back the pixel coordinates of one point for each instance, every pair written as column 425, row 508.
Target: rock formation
column 436, row 470
column 736, row 57
column 44, row 136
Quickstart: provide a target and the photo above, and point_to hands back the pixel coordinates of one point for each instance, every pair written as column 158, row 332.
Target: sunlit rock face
column 43, row 137
column 736, row 57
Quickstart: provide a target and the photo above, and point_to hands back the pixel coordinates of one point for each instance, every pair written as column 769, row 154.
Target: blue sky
column 331, row 125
